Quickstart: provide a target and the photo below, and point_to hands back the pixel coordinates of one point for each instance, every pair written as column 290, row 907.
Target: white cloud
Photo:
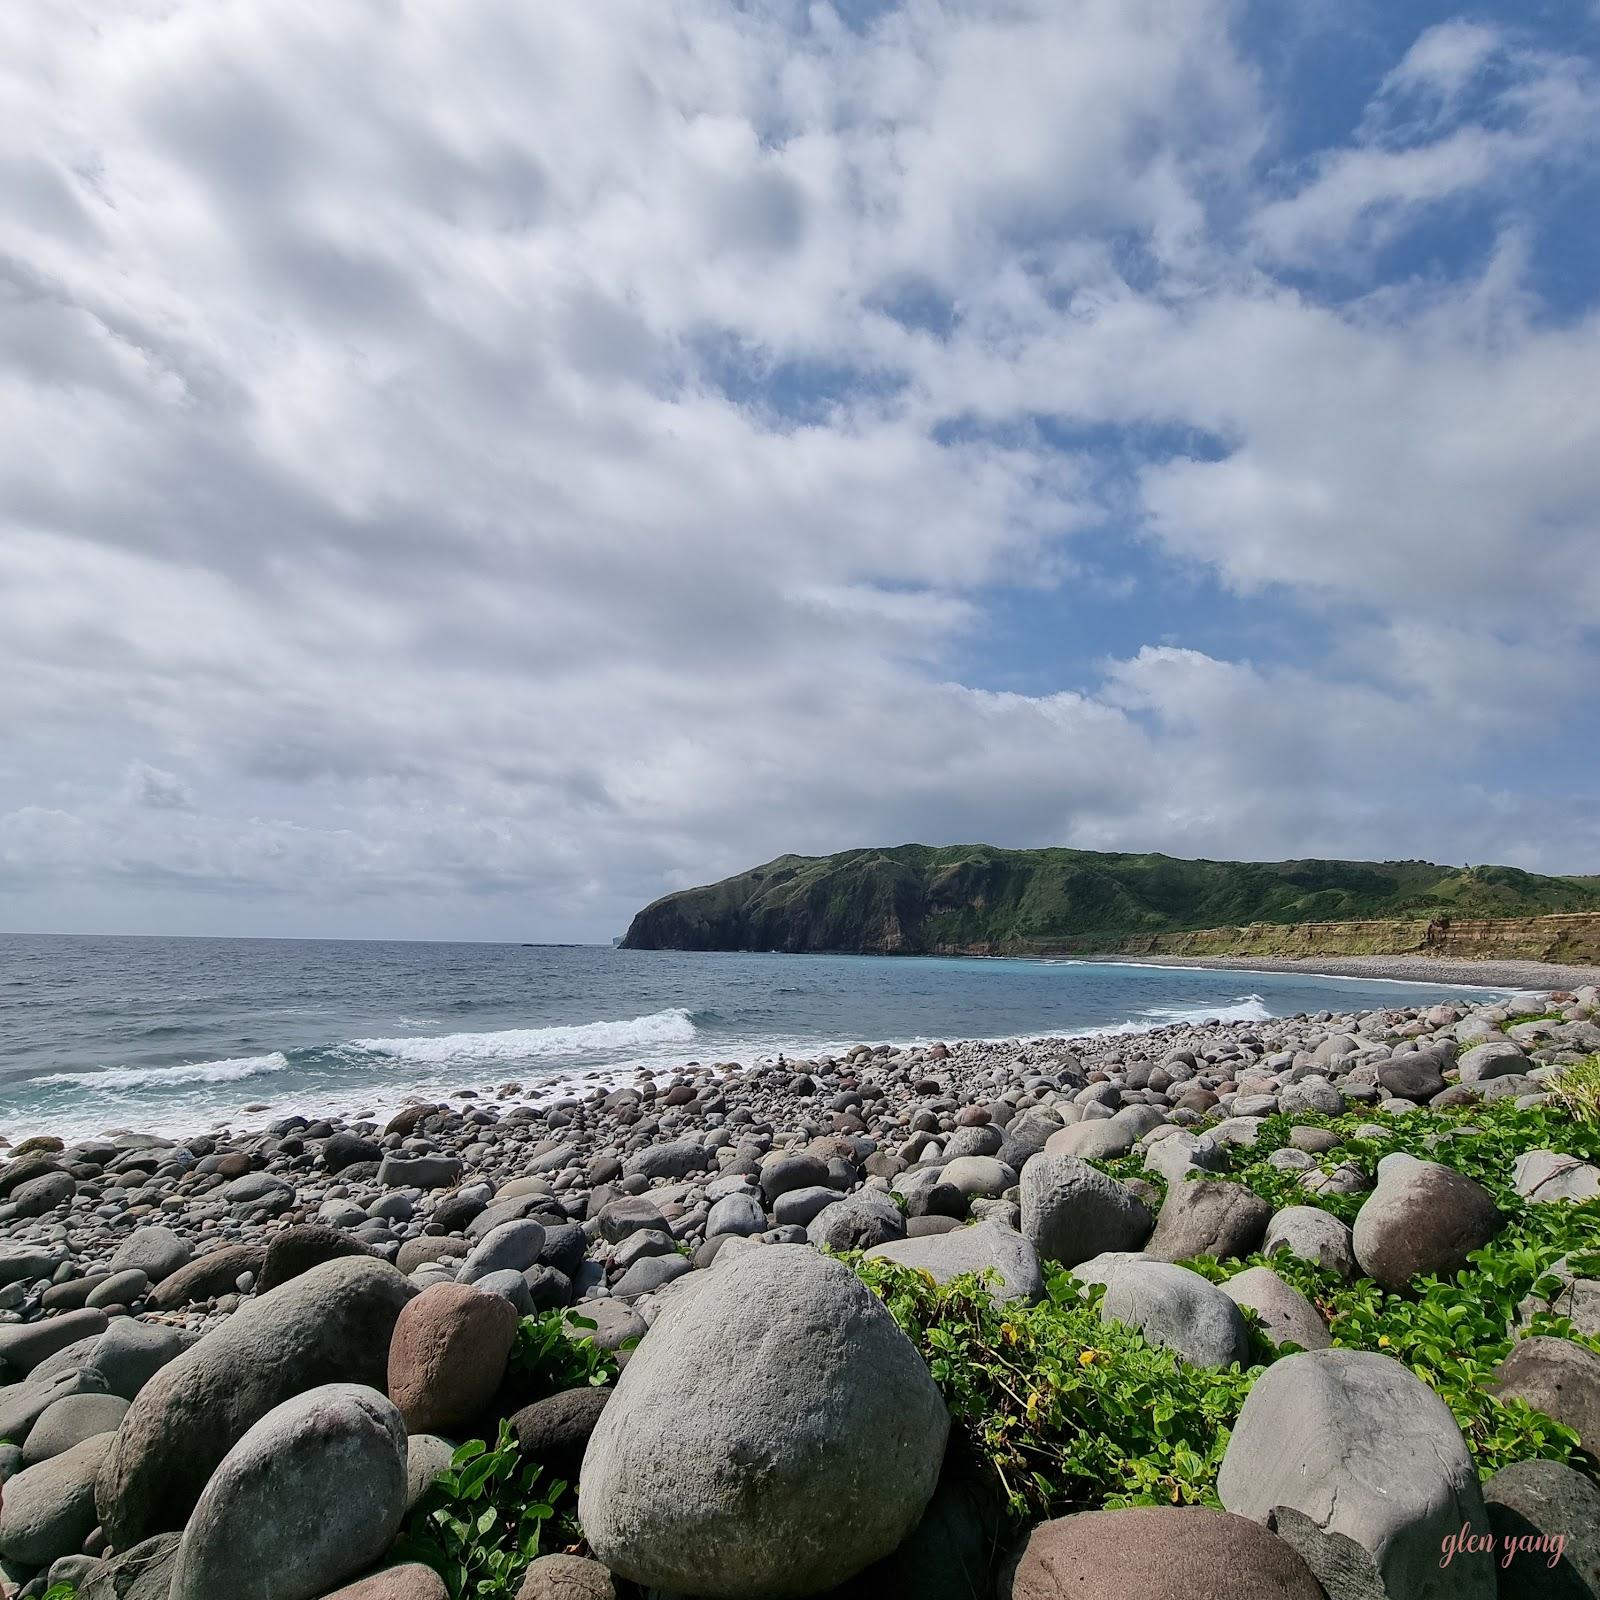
column 491, row 463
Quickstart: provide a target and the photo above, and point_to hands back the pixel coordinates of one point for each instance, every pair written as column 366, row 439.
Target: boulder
column 413, row 1581
column 1421, row 1218
column 48, row 1511
column 1546, row 1521
column 312, row 1494
column 420, row 1172
column 207, row 1277
column 775, row 1434
column 858, row 1222
column 1559, row 1377
column 566, row 1578
column 157, row 1252
column 71, row 1420
column 142, row 1573
column 330, row 1325
column 1361, row 1466
column 1546, row 1175
column 1156, row 1553
column 298, row 1249
column 738, row 1214
column 341, row 1150
column 1176, row 1308
column 1417, row 1077
column 1092, row 1141
column 1312, row 1234
column 40, row 1195
column 1496, row 1058
column 986, row 1247
column 555, row 1431
column 448, row 1355
column 977, row 1176
column 675, row 1159
column 512, row 1246
column 1071, row 1211
column 1208, row 1217
column 1287, row 1317
column 428, row 1457
column 26, row 1345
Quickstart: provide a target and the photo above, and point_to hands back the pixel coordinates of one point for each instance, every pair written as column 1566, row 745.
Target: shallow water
column 174, row 1035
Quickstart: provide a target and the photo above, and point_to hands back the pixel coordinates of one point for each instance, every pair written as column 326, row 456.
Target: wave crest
column 673, row 1026
column 230, row 1070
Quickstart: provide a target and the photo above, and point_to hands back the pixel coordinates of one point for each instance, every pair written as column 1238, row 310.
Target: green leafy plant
column 481, row 1523
column 547, row 1358
column 61, row 1591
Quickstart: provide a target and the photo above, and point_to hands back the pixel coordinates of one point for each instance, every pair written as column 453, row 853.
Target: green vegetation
column 916, row 898
column 480, row 1523
column 483, row 1521
column 1577, row 1092
column 1068, row 1413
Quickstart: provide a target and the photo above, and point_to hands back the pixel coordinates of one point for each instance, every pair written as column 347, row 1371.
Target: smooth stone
column 1179, row 1310
column 986, row 1247
column 267, row 1526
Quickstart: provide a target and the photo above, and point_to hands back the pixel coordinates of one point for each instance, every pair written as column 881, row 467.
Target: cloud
column 487, row 466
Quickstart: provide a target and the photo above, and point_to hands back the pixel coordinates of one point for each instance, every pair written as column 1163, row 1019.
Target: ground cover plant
column 1067, row 1413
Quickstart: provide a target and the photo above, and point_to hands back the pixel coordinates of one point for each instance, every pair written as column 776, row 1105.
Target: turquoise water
column 176, row 1034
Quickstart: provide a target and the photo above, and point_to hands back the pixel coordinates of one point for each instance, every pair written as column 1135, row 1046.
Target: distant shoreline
column 1528, row 975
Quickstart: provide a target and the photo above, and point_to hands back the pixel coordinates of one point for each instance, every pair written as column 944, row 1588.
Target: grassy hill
column 914, row 899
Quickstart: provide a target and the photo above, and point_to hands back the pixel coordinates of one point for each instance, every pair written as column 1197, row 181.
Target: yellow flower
column 1383, row 1341
column 1088, row 1357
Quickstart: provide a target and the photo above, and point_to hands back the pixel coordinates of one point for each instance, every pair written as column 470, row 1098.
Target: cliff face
column 916, row 899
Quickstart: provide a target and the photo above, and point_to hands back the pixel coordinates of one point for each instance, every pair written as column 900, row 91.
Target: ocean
column 180, row 1035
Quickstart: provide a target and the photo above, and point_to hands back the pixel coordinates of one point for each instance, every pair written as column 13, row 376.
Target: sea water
column 178, row 1035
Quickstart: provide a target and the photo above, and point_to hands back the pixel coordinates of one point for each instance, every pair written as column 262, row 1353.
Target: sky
column 469, row 469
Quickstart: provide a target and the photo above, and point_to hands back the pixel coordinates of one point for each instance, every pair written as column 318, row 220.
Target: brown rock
column 206, row 1278
column 1157, row 1553
column 1208, row 1217
column 410, row 1582
column 296, row 1250
column 448, row 1355
column 1421, row 1218
column 1559, row 1377
column 566, row 1578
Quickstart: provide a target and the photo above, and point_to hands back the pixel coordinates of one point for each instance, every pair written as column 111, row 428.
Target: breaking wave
column 674, row 1026
column 231, row 1070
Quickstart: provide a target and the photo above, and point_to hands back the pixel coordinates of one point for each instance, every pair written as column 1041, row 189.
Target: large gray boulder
column 26, row 1345
column 1421, row 1218
column 858, row 1222
column 1359, row 1464
column 70, row 1421
column 330, row 1325
column 312, row 1494
column 987, row 1247
column 1559, row 1377
column 47, row 1511
column 1546, row 1522
column 1071, row 1211
column 1208, row 1217
column 156, row 1251
column 142, row 1573
column 1312, row 1234
column 1286, row 1315
column 1179, row 1310
column 1548, row 1175
column 774, row 1434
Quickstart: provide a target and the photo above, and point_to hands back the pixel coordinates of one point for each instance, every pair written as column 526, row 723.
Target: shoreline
column 1519, row 976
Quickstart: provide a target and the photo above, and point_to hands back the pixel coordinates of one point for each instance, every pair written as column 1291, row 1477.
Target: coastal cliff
column 977, row 899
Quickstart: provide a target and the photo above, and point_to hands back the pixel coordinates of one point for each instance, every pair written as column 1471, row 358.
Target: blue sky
column 485, row 466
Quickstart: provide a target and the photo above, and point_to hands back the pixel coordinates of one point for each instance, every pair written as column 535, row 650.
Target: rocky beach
column 1277, row 1307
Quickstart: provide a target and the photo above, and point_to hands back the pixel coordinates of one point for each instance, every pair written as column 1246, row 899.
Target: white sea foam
column 230, row 1070
column 659, row 1028
column 1244, row 1008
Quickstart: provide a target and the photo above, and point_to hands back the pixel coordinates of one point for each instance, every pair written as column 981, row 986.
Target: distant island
column 980, row 900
